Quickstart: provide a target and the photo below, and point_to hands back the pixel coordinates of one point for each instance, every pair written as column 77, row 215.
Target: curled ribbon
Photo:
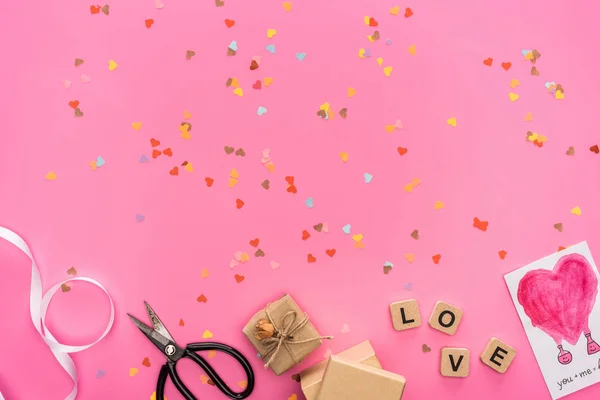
column 285, row 335
column 38, row 305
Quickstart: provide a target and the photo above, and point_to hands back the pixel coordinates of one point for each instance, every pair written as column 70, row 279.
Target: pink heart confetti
column 85, row 78
column 325, row 227
column 158, row 4
column 66, row 83
column 238, row 255
column 345, row 328
column 274, row 264
column 257, row 59
column 233, row 263
column 398, row 124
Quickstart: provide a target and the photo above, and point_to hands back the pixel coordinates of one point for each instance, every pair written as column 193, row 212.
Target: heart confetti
column 481, row 225
column 425, row 348
column 502, row 254
column 436, row 258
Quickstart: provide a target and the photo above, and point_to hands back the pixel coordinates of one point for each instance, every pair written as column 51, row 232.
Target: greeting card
column 556, row 298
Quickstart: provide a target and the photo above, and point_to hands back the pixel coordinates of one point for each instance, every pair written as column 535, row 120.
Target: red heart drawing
column 174, row 171
column 74, row 104
column 95, row 9
column 257, row 85
column 506, row 65
column 229, row 23
column 149, row 23
column 559, row 302
column 488, row 61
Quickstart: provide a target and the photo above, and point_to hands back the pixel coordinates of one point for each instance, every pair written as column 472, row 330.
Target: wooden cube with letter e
column 498, row 355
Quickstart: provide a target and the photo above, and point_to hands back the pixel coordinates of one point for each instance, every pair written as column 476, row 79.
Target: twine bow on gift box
column 273, row 337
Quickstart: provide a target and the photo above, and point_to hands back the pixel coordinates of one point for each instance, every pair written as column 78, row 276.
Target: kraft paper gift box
column 311, row 377
column 293, row 335
column 347, row 380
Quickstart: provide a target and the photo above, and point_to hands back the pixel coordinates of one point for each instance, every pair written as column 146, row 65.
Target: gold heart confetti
column 571, row 151
column 426, row 349
column 287, row 6
column 318, row 227
column 240, row 152
column 409, row 257
column 576, row 211
column 207, row 334
column 78, row 62
column 112, row 65
column 78, row 112
column 72, row 271
column 451, row 122
column 529, row 117
column 412, row 50
column 513, row 96
column 438, row 205
column 259, row 253
column 136, row 125
column 387, row 269
column 558, row 226
column 105, row 10
column 265, row 184
column 514, row 83
column 351, row 92
column 189, row 54
column 205, row 273
column 415, row 234
column 133, row 371
column 344, row 113
column 231, row 52
column 65, row 288
column 534, row 71
column 50, row 176
column 219, row 3
column 344, row 156
column 229, row 150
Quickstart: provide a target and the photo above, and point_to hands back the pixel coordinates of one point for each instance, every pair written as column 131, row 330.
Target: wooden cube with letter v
column 455, row 362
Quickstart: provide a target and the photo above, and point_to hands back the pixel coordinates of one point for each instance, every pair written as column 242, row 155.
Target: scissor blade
column 158, row 339
column 157, row 323
column 141, row 326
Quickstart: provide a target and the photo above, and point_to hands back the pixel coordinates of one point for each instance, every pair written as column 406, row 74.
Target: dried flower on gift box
column 264, row 330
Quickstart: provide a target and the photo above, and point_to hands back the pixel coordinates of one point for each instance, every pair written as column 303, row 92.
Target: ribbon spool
column 38, row 306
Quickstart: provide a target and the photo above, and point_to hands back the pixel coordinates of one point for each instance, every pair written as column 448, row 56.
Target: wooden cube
column 498, row 355
column 405, row 314
column 445, row 318
column 455, row 362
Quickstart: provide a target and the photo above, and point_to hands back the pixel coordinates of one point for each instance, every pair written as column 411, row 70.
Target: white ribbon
column 38, row 305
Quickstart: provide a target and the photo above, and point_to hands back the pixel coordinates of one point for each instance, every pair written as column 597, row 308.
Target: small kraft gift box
column 311, row 377
column 347, row 380
column 283, row 334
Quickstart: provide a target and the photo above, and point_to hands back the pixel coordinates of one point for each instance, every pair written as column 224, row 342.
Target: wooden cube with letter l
column 405, row 314
column 498, row 355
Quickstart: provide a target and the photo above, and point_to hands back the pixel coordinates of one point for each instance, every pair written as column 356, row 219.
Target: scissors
column 161, row 338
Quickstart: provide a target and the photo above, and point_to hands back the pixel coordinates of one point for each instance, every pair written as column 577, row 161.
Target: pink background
column 482, row 168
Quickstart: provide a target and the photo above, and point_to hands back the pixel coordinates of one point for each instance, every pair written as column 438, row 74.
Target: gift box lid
column 311, row 377
column 347, row 380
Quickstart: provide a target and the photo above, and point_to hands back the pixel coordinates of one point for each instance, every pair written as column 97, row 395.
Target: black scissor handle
column 212, row 374
column 169, row 369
